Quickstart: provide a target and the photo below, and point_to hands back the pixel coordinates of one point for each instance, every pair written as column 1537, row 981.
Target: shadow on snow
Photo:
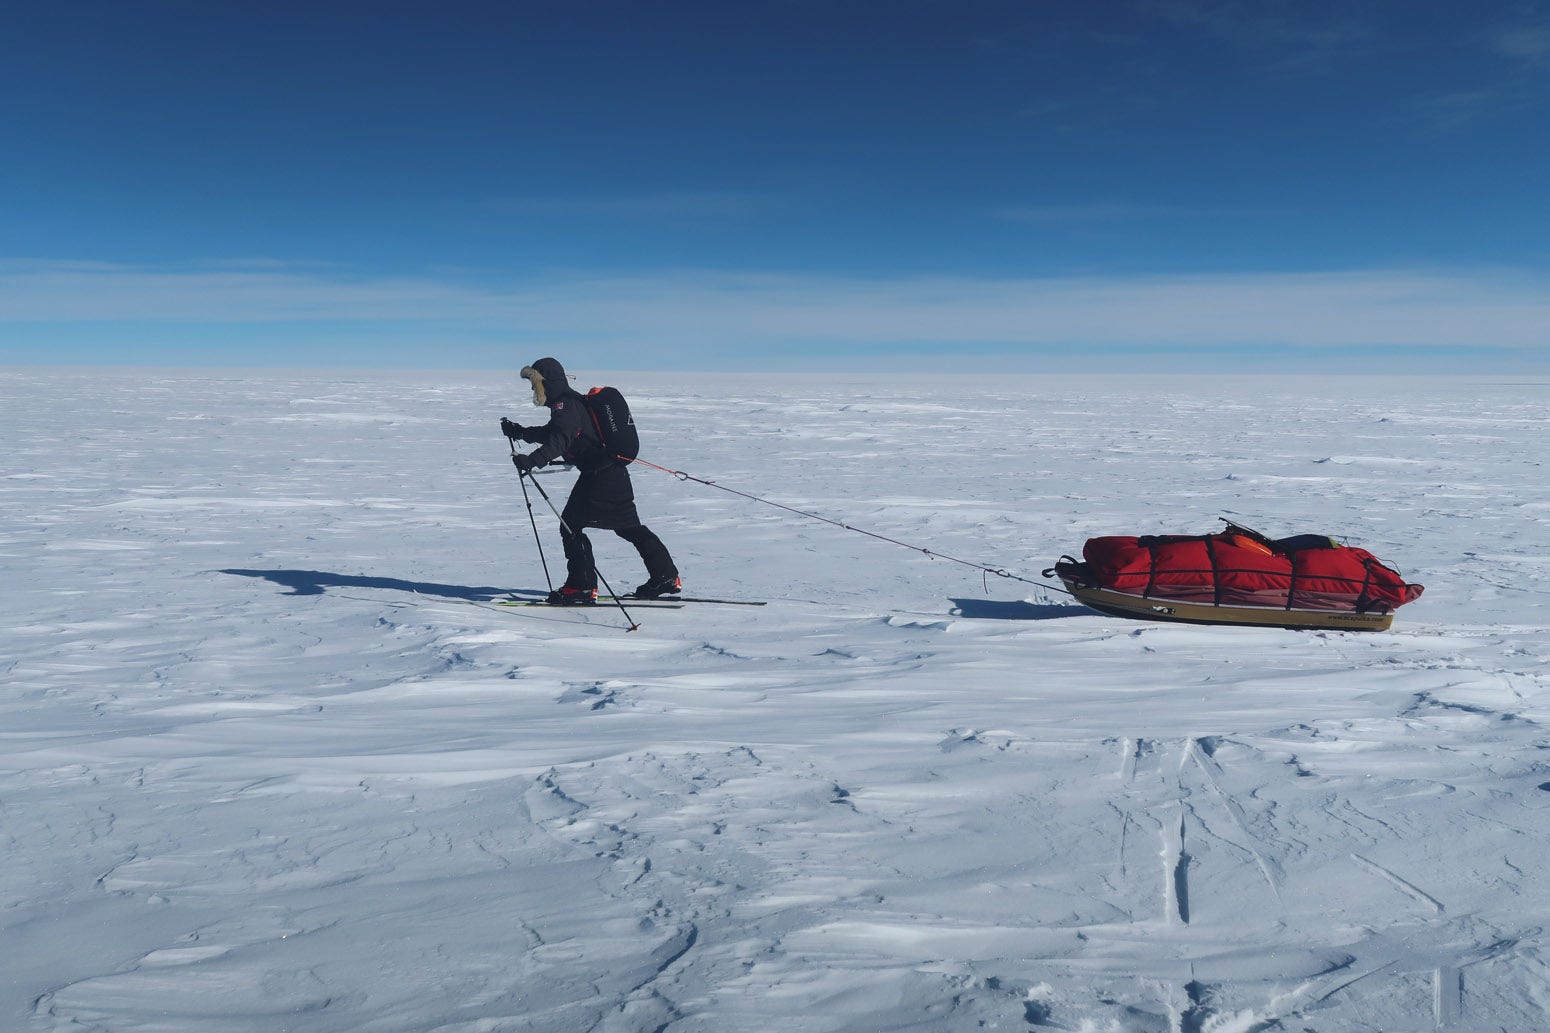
column 1001, row 610
column 316, row 582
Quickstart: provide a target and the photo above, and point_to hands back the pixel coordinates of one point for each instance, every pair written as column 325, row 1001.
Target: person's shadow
column 1019, row 610
column 316, row 582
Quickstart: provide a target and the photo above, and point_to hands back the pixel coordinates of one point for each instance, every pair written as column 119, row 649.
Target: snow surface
column 274, row 762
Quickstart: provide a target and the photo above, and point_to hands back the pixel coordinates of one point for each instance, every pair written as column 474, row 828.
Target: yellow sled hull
column 1119, row 604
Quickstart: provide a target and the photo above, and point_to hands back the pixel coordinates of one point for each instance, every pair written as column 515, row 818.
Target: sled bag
column 1307, row 572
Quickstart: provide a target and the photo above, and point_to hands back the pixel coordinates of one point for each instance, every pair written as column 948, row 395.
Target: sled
column 1237, row 576
column 1122, row 604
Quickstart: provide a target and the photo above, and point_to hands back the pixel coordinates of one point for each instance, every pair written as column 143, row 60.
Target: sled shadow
column 1002, row 610
column 316, row 582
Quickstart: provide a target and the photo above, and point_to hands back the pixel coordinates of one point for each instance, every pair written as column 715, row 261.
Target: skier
column 603, row 496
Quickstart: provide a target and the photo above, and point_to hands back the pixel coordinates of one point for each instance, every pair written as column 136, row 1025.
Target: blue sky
column 769, row 185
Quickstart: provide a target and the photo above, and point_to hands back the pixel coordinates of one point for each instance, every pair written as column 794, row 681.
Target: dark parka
column 603, row 496
column 570, row 433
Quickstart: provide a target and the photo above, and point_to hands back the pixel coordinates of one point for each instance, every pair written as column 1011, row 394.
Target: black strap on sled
column 1291, row 586
column 1216, row 571
column 1362, row 599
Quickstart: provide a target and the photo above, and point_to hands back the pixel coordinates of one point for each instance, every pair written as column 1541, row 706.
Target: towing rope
column 929, row 553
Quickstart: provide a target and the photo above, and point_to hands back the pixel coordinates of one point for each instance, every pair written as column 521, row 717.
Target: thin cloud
column 260, row 263
column 1528, row 43
column 1457, row 110
column 700, row 318
column 1516, row 81
column 1280, row 34
column 1328, row 310
column 718, row 205
column 84, row 292
column 1096, row 212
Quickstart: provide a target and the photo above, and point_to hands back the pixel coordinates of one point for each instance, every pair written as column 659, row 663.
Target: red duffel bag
column 1239, row 567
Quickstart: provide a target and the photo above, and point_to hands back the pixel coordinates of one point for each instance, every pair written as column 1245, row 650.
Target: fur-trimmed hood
column 548, row 379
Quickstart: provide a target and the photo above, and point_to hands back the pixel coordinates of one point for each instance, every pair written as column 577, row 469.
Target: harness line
column 929, row 553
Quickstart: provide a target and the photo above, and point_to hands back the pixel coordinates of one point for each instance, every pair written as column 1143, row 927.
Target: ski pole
column 595, row 572
column 931, row 554
column 530, row 519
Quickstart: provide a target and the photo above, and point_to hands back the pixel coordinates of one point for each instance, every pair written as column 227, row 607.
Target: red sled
column 1237, row 576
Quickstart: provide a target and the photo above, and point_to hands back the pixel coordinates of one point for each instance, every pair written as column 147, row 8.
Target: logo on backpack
column 615, row 426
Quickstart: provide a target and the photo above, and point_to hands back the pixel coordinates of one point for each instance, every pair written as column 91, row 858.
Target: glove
column 523, row 463
column 510, row 429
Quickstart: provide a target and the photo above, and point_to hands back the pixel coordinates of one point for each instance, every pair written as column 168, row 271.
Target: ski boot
column 657, row 587
column 570, row 595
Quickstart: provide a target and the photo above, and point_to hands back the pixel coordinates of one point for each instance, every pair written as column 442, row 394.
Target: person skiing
column 603, row 496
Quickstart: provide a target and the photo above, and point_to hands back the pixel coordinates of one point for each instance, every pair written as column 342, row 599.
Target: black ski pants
column 581, row 568
column 604, row 498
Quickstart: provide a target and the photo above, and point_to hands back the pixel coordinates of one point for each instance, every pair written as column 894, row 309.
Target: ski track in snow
column 275, row 761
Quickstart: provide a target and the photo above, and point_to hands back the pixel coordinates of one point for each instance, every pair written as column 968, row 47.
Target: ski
column 650, row 604
column 682, row 599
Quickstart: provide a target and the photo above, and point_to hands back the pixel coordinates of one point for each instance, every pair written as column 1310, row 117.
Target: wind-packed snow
column 274, row 760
